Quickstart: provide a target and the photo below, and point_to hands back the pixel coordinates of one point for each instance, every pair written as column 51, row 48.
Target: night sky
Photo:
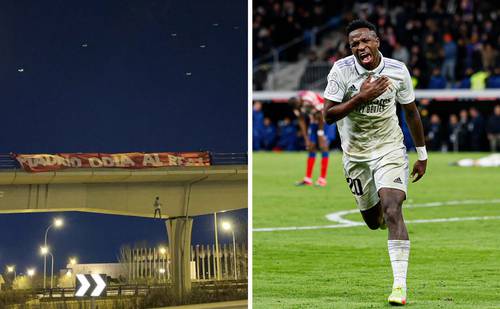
column 117, row 76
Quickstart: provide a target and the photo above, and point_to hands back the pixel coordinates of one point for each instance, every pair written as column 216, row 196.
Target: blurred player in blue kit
column 308, row 106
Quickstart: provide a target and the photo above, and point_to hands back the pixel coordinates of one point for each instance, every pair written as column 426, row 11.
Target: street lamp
column 12, row 268
column 58, row 222
column 162, row 271
column 227, row 226
column 30, row 272
column 217, row 260
column 45, row 250
column 73, row 261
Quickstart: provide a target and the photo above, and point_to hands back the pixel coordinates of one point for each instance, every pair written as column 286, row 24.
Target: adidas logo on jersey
column 398, row 180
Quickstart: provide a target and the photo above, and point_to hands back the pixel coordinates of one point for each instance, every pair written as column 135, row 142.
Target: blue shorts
column 312, row 132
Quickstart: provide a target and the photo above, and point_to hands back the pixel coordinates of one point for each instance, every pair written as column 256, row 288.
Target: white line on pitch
column 297, row 228
column 344, row 223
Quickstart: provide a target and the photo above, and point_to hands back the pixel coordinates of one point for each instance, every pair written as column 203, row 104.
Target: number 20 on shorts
column 355, row 186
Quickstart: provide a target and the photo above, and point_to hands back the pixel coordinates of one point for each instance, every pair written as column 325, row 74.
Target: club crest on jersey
column 332, row 88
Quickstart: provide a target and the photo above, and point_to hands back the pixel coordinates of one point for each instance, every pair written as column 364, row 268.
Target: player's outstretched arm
column 334, row 111
column 417, row 132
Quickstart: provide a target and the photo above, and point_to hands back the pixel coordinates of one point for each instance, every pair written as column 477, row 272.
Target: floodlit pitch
column 316, row 261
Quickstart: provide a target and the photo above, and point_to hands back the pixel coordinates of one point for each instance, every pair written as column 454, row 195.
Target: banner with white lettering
column 135, row 160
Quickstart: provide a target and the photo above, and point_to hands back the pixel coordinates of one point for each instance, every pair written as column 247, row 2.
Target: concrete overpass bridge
column 183, row 191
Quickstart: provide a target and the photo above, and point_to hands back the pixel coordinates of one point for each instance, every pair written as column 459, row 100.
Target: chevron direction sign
column 93, row 285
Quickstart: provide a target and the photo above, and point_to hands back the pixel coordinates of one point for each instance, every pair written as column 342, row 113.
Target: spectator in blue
column 434, row 134
column 465, row 82
column 331, row 132
column 450, row 57
column 258, row 124
column 493, row 129
column 463, row 132
column 476, row 128
column 287, row 135
column 453, row 132
column 493, row 80
column 407, row 139
column 268, row 134
column 437, row 80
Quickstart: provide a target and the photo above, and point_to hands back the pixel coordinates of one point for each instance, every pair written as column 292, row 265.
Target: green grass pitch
column 452, row 264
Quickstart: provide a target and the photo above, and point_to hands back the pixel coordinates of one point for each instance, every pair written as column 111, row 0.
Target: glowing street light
column 12, row 269
column 30, row 272
column 227, row 226
column 162, row 271
column 73, row 261
column 58, row 223
column 44, row 250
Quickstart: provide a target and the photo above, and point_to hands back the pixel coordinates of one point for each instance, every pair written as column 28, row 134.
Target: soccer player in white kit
column 361, row 96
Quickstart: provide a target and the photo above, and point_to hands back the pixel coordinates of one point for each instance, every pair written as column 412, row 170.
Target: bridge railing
column 142, row 290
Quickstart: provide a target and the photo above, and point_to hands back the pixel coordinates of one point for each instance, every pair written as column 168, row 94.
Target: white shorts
column 365, row 179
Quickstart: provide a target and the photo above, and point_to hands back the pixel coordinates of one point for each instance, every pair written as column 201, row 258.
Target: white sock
column 399, row 251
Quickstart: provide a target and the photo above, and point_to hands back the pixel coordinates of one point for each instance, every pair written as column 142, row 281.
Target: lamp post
column 45, row 250
column 217, row 260
column 12, row 268
column 162, row 270
column 58, row 222
column 72, row 262
column 227, row 226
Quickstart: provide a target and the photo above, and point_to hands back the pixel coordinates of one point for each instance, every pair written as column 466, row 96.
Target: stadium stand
column 450, row 47
column 445, row 44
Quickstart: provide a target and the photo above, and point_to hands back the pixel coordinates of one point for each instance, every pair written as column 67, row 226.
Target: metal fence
column 154, row 265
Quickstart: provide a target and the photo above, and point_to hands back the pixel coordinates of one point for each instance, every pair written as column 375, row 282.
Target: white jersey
column 372, row 130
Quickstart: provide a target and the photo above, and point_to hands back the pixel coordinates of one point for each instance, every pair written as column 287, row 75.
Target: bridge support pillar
column 179, row 238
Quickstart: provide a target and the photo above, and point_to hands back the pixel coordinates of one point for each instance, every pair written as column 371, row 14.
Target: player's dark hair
column 360, row 23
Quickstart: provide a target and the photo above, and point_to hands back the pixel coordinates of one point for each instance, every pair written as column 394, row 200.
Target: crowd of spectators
column 467, row 130
column 269, row 136
column 445, row 44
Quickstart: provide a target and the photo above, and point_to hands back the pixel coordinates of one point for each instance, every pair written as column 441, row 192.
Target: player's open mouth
column 365, row 58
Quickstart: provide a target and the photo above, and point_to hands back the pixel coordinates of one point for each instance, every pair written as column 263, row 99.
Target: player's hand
column 323, row 143
column 372, row 89
column 309, row 145
column 419, row 170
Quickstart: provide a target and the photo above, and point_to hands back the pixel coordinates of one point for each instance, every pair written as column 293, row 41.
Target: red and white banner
column 134, row 160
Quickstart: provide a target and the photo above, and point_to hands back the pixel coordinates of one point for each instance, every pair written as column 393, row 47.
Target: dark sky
column 117, row 76
column 129, row 88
